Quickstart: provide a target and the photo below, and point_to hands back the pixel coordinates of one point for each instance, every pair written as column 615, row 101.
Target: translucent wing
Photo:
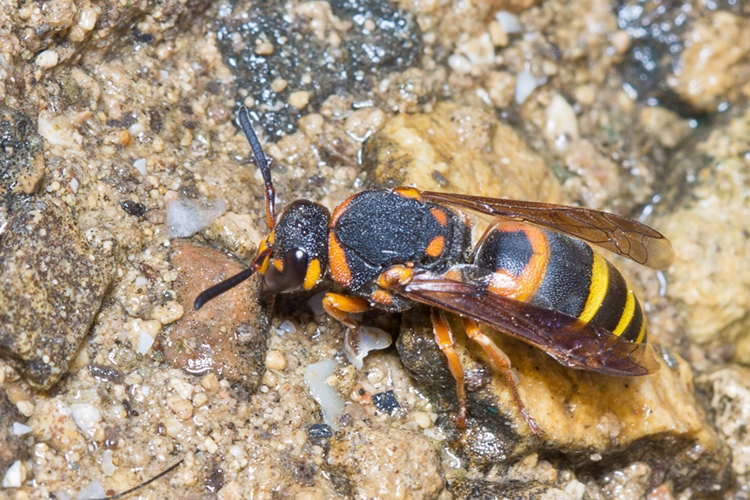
column 618, row 234
column 570, row 341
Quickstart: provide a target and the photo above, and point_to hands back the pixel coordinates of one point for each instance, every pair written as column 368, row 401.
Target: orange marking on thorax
column 435, row 248
column 440, row 216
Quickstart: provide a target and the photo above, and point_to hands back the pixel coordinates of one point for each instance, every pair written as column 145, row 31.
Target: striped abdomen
column 550, row 270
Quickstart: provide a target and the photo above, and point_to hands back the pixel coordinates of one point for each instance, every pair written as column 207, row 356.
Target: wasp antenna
column 260, row 158
column 229, row 283
column 219, row 288
column 145, row 483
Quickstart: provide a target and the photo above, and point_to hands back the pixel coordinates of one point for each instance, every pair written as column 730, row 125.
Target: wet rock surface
column 285, row 60
column 668, row 57
column 51, row 287
column 708, row 222
column 518, row 98
column 228, row 335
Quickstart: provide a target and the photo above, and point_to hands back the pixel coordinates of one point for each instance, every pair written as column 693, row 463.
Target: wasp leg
column 444, row 340
column 339, row 307
column 501, row 362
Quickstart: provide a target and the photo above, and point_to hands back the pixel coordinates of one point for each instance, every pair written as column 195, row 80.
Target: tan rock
column 458, row 149
column 386, row 463
column 53, row 423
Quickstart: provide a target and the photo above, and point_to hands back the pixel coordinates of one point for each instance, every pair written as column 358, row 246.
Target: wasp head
column 297, row 248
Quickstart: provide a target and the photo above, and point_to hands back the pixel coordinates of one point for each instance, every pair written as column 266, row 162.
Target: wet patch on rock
column 686, row 56
column 51, row 286
column 228, row 335
column 21, row 162
column 284, row 59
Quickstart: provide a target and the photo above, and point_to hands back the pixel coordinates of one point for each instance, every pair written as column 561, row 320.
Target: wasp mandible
column 532, row 275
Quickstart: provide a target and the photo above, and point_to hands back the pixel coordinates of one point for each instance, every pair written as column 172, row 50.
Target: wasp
column 532, row 275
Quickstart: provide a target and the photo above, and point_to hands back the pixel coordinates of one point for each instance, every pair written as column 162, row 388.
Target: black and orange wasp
column 532, row 275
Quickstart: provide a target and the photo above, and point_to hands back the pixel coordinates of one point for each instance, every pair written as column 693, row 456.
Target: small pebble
column 20, row 429
column 85, row 415
column 15, row 476
column 168, row 312
column 278, row 85
column 47, row 59
column 184, row 389
column 423, row 419
column 620, row 41
column 25, row 407
column 200, row 399
column 183, row 408
column 386, row 402
column 210, row 382
column 498, row 35
column 145, row 341
column 211, row 445
column 286, row 327
column 509, row 22
column 173, row 427
column 460, row 64
column 320, row 430
column 140, row 166
column 108, row 468
column 264, row 48
column 299, row 99
column 275, row 360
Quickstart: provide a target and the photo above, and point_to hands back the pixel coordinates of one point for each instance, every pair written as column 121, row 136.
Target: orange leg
column 444, row 339
column 501, row 362
column 339, row 307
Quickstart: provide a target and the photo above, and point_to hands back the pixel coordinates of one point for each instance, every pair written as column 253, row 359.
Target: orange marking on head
column 440, row 215
column 382, row 297
column 525, row 286
column 435, row 248
column 408, row 192
column 312, row 276
column 337, row 263
column 263, row 246
column 278, row 264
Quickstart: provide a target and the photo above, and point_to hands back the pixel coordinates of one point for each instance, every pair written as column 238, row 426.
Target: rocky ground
column 126, row 188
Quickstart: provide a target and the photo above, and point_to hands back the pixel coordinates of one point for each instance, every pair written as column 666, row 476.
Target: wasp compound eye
column 292, row 274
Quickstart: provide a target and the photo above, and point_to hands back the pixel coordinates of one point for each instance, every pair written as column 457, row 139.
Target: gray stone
column 51, row 287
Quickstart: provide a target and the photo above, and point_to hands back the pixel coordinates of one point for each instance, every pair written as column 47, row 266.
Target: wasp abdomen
column 554, row 271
